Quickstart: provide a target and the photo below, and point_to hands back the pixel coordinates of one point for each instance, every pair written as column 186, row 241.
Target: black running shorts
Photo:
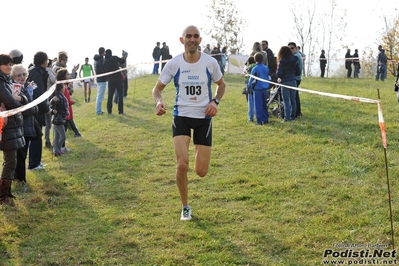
column 202, row 129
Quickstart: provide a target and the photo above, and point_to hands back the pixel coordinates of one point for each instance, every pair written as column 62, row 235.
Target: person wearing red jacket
column 63, row 74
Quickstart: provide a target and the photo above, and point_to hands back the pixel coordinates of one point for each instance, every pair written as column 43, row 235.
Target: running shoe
column 185, row 214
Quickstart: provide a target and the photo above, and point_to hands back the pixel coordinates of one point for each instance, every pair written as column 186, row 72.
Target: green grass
column 275, row 195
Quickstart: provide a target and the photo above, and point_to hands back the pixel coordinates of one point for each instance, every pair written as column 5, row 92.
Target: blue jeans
column 59, row 138
column 156, row 66
column 251, row 109
column 381, row 72
column 100, row 96
column 260, row 104
column 289, row 99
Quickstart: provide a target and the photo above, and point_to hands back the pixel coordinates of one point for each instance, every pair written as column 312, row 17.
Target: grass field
column 279, row 194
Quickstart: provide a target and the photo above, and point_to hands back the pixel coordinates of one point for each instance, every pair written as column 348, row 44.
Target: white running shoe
column 39, row 167
column 186, row 214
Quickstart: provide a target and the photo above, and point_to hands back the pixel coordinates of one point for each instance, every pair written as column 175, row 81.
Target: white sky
column 81, row 27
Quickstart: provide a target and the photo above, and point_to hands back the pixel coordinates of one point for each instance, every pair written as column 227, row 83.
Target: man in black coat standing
column 348, row 63
column 323, row 63
column 165, row 54
column 156, row 54
column 39, row 75
column 115, row 82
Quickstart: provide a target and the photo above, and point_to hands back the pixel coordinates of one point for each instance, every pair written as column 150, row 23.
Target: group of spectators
column 21, row 133
column 219, row 54
column 105, row 62
column 160, row 55
column 286, row 69
column 352, row 59
column 352, row 63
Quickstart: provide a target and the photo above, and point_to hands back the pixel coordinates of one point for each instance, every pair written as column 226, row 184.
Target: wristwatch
column 216, row 100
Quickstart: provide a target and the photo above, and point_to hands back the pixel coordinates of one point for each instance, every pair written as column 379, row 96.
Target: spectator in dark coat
column 217, row 54
column 165, row 54
column 115, row 82
column 12, row 135
column 39, row 75
column 323, row 63
column 356, row 64
column 348, row 63
column 156, row 54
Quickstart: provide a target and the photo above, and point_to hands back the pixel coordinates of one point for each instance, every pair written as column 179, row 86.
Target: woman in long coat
column 12, row 137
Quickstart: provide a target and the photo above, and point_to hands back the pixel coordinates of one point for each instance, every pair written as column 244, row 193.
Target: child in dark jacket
column 60, row 112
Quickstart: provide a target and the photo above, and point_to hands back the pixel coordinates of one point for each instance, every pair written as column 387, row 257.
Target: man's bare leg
column 181, row 144
column 202, row 159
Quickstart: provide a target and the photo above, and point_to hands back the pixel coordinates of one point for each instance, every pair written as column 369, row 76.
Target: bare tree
column 226, row 25
column 304, row 27
column 368, row 62
column 390, row 42
column 334, row 25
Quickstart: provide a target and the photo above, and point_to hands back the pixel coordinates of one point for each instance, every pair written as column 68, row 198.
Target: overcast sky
column 81, row 27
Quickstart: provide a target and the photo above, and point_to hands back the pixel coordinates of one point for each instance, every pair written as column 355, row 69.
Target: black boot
column 10, row 195
column 74, row 128
column 5, row 192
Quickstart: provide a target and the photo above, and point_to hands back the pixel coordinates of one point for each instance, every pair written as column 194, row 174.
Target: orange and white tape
column 340, row 96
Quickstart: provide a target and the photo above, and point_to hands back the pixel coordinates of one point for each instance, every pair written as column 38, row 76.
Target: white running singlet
column 192, row 83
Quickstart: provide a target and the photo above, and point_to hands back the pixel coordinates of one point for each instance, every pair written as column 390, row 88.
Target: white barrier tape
column 340, row 96
column 22, row 108
column 50, row 90
column 164, row 61
column 95, row 76
column 48, row 93
column 153, row 62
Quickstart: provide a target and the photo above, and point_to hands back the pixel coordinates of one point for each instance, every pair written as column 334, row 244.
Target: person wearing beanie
column 16, row 56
